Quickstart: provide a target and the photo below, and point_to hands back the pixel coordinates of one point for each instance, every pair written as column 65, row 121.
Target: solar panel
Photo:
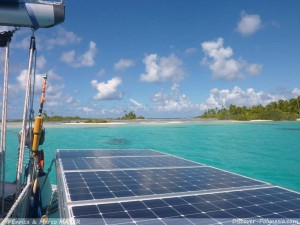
column 117, row 187
column 262, row 203
column 129, row 183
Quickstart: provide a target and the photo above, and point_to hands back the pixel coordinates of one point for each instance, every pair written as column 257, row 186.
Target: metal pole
column 3, row 126
column 24, row 123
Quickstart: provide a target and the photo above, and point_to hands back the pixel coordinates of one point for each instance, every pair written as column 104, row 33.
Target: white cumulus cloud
column 108, row 90
column 54, row 94
column 54, row 103
column 85, row 59
column 173, row 101
column 62, row 37
column 5, row 28
column 39, row 80
column 40, row 62
column 238, row 96
column 136, row 105
column 101, row 73
column 248, row 24
column 87, row 109
column 56, row 38
column 162, row 69
column 190, row 51
column 222, row 64
column 296, row 91
column 254, row 69
column 123, row 64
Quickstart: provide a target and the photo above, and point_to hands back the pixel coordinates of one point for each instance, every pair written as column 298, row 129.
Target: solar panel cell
column 101, row 195
column 80, row 197
column 206, row 207
column 186, row 209
column 291, row 214
column 84, row 211
column 164, row 212
column 224, row 204
column 240, row 213
column 155, row 203
column 257, row 210
column 141, row 214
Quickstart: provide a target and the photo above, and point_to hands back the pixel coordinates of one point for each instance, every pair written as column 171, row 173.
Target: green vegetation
column 95, row 121
column 281, row 110
column 76, row 119
column 60, row 118
column 68, row 119
column 131, row 116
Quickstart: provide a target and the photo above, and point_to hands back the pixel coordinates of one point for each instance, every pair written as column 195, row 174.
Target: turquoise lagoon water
column 269, row 151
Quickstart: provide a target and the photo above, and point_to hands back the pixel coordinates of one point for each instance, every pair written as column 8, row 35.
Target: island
column 76, row 119
column 276, row 111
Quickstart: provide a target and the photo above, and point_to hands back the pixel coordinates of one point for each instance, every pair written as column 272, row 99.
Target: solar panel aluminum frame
column 62, row 198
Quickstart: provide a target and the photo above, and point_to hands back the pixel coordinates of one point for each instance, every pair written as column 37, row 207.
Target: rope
column 3, row 127
column 52, row 207
column 49, row 170
column 16, row 204
column 24, row 123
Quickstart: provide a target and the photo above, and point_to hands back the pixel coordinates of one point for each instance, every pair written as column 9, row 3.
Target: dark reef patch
column 293, row 129
column 118, row 141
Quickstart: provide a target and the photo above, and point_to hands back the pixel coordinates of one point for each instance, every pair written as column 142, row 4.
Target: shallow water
column 269, row 151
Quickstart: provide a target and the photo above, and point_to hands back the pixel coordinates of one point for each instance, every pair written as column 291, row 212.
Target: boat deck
column 150, row 187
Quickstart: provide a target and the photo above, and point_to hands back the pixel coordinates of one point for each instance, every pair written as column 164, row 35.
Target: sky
column 160, row 58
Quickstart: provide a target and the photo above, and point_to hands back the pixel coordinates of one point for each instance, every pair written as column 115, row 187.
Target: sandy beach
column 261, row 121
column 101, row 124
column 161, row 122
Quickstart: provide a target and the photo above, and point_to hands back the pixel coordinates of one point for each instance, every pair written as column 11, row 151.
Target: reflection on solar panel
column 148, row 187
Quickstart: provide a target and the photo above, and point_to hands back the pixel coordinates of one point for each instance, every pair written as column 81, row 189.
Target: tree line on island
column 128, row 116
column 277, row 111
